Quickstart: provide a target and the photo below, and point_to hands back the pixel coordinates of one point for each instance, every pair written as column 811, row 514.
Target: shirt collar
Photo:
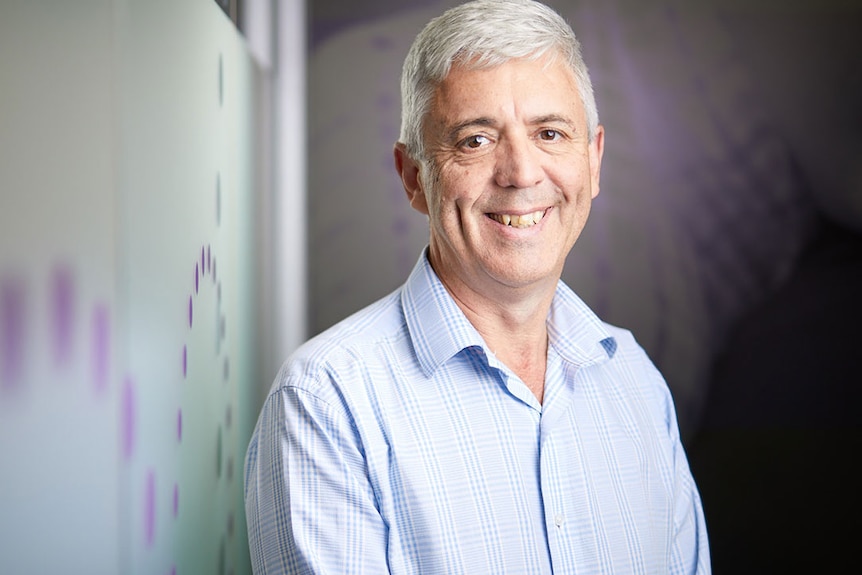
column 576, row 332
column 439, row 329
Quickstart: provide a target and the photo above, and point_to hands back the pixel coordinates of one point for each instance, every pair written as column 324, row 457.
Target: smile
column 519, row 221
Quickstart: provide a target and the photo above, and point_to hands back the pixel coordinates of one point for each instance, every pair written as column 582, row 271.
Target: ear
column 408, row 170
column 596, row 151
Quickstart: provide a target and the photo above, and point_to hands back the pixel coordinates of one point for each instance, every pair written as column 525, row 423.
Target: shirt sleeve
column 309, row 504
column 687, row 551
column 690, row 547
column 690, row 554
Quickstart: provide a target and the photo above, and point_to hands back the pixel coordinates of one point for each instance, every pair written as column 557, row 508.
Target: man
column 480, row 419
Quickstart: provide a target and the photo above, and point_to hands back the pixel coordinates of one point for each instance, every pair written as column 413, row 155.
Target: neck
column 514, row 328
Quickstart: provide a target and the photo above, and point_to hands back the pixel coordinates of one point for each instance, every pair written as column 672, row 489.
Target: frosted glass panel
column 59, row 487
column 128, row 332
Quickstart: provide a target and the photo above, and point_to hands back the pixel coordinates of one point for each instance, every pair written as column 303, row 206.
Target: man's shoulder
column 347, row 344
column 378, row 319
column 634, row 368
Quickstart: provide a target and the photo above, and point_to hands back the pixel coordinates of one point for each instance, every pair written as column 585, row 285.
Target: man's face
column 511, row 178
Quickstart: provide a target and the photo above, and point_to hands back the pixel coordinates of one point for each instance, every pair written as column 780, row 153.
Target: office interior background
column 191, row 188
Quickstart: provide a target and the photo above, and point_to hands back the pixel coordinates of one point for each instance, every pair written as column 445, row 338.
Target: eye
column 474, row 142
column 549, row 135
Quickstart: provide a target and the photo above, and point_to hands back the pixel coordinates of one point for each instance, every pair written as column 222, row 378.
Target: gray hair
column 484, row 34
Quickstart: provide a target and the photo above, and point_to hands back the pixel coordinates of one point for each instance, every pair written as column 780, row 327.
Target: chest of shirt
column 467, row 474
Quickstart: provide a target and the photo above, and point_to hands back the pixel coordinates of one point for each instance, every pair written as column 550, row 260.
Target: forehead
column 519, row 87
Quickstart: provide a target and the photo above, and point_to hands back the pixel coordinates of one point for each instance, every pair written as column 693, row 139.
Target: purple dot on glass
column 190, row 311
column 12, row 331
column 101, row 350
column 173, row 570
column 62, row 306
column 176, row 499
column 185, row 361
column 197, row 278
column 127, row 432
column 179, row 425
column 150, row 509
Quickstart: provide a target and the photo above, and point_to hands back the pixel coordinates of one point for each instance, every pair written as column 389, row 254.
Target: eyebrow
column 484, row 122
column 554, row 119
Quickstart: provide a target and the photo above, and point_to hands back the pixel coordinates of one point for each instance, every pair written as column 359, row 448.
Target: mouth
column 520, row 221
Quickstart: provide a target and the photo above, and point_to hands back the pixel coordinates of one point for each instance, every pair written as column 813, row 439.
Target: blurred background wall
column 189, row 189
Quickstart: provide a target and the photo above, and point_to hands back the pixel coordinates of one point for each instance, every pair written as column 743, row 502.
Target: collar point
column 610, row 346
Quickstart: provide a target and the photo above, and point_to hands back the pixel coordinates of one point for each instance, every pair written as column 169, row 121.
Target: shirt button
column 558, row 519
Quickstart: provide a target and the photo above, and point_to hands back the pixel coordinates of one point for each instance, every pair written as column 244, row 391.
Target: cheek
column 446, row 193
column 464, row 186
column 573, row 178
column 439, row 208
column 459, row 187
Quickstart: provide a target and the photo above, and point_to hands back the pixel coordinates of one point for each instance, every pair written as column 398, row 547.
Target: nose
column 518, row 164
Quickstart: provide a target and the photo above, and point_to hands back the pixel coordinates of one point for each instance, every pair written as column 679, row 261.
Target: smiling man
column 480, row 419
column 506, row 177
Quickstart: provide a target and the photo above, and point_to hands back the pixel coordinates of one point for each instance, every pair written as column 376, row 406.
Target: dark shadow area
column 775, row 457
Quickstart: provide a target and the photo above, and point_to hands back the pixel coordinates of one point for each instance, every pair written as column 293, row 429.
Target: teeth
column 524, row 221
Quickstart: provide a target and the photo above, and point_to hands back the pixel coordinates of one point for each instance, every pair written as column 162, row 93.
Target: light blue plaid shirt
column 395, row 442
